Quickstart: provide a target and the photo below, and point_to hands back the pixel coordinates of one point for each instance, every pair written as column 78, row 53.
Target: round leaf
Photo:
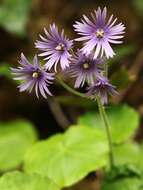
column 15, row 139
column 21, row 181
column 122, row 178
column 14, row 15
column 123, row 122
column 130, row 154
column 69, row 157
column 124, row 183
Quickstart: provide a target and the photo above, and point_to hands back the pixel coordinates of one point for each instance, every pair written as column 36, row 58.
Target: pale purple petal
column 99, row 33
column 55, row 48
column 84, row 68
column 33, row 76
column 101, row 88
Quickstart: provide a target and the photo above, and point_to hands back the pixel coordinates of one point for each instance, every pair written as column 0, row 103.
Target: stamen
column 60, row 47
column 35, row 75
column 86, row 65
column 99, row 33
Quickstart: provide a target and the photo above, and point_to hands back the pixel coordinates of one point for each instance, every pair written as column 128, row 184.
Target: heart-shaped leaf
column 21, row 181
column 67, row 158
column 15, row 138
column 129, row 154
column 14, row 15
column 123, row 182
column 123, row 122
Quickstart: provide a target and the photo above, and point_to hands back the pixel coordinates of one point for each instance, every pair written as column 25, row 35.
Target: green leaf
column 69, row 157
column 21, row 181
column 122, row 180
column 123, row 121
column 124, row 184
column 15, row 138
column 14, row 15
column 130, row 154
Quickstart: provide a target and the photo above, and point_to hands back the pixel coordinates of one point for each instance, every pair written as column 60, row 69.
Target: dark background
column 21, row 21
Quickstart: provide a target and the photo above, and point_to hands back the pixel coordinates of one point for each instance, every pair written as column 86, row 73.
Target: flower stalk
column 68, row 88
column 107, row 128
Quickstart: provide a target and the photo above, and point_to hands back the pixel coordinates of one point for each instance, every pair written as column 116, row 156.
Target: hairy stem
column 106, row 69
column 68, row 88
column 107, row 127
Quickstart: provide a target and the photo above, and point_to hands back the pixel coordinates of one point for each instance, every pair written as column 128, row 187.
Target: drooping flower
column 84, row 68
column 98, row 33
column 55, row 47
column 33, row 76
column 102, row 88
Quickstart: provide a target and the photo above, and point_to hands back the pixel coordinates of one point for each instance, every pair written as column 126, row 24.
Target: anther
column 100, row 33
column 60, row 47
column 86, row 65
column 35, row 75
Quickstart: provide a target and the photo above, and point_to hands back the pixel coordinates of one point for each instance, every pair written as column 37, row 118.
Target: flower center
column 60, row 47
column 35, row 75
column 99, row 33
column 86, row 65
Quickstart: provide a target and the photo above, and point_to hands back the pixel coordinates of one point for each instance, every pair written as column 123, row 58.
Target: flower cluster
column 86, row 65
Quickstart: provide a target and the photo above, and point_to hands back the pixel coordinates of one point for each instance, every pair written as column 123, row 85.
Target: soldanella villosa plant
column 67, row 158
column 87, row 65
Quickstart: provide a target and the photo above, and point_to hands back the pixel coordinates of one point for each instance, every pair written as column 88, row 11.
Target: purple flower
column 55, row 48
column 98, row 33
column 84, row 68
column 33, row 76
column 101, row 88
